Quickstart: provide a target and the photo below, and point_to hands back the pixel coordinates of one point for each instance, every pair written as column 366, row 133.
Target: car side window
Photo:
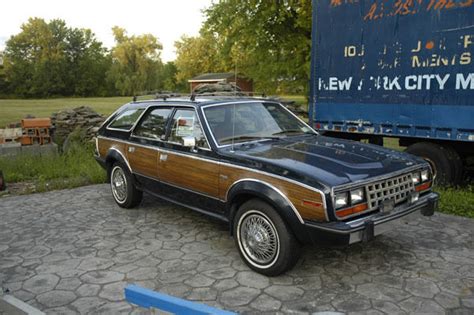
column 185, row 123
column 126, row 119
column 153, row 125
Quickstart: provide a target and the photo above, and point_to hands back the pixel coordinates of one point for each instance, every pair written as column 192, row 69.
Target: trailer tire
column 439, row 159
column 457, row 165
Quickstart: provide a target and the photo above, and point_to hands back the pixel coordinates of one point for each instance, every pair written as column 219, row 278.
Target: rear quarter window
column 126, row 119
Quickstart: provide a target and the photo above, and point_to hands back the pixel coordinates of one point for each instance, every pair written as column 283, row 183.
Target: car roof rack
column 164, row 95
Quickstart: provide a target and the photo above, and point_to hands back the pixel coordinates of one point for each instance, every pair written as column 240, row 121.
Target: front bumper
column 366, row 228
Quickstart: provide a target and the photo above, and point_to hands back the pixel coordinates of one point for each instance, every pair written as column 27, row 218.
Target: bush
column 76, row 167
column 457, row 201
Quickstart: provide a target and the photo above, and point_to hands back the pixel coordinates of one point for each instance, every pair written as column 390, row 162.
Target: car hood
column 328, row 161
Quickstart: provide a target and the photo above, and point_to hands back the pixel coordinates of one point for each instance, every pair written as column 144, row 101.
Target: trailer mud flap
column 430, row 207
column 368, row 232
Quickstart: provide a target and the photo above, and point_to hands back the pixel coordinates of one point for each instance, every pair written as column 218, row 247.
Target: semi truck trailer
column 400, row 69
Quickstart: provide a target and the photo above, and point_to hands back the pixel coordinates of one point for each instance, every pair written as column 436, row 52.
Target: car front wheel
column 125, row 193
column 264, row 241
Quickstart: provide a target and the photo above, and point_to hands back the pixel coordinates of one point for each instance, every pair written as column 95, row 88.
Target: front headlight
column 357, row 196
column 341, row 200
column 425, row 176
column 416, row 178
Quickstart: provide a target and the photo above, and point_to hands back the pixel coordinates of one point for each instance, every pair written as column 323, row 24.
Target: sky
column 168, row 20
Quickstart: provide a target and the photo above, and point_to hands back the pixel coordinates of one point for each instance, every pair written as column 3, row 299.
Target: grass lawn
column 13, row 110
column 74, row 168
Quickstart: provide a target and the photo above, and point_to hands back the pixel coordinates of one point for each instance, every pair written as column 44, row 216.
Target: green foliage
column 458, row 201
column 197, row 55
column 168, row 78
column 136, row 62
column 3, row 83
column 48, row 59
column 75, row 167
column 268, row 41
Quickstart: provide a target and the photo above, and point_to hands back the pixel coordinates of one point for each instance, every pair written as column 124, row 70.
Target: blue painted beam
column 147, row 298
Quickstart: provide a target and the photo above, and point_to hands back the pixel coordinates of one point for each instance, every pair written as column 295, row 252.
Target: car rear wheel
column 264, row 241
column 125, row 193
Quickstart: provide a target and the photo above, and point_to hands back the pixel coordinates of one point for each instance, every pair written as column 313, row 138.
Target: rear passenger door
column 145, row 140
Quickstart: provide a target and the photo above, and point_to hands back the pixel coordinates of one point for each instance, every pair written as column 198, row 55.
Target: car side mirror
column 189, row 142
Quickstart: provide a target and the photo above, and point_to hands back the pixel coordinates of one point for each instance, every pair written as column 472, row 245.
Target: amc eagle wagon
column 255, row 165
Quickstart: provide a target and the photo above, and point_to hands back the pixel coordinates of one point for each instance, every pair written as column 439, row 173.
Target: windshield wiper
column 246, row 137
column 290, row 131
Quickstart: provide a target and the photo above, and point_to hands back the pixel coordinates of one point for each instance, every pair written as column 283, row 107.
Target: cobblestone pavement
column 73, row 251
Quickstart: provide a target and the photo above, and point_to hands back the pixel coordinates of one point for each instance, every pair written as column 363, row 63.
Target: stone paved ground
column 73, row 251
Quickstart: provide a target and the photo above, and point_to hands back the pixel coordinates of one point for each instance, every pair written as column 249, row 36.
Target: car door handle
column 131, row 149
column 163, row 157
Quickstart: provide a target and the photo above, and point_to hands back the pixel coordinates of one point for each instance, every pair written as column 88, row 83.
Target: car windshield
column 236, row 123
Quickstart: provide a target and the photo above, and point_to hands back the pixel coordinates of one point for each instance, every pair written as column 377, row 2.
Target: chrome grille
column 396, row 188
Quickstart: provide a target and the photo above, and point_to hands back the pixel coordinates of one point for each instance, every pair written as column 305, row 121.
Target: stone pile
column 69, row 120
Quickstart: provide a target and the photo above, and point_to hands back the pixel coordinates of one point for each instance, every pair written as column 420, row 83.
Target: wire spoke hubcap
column 119, row 184
column 259, row 238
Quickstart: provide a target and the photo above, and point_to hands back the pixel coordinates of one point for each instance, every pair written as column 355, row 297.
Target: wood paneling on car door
column 143, row 160
column 194, row 174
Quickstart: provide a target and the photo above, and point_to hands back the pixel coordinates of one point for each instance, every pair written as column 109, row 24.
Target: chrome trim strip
column 97, row 146
column 271, row 187
column 123, row 156
column 246, row 102
column 323, row 195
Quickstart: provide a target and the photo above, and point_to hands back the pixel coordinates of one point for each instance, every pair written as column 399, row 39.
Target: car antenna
column 134, row 99
column 193, row 97
column 233, row 129
column 235, row 79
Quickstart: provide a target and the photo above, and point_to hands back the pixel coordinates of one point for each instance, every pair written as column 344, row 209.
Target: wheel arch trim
column 234, row 187
column 115, row 153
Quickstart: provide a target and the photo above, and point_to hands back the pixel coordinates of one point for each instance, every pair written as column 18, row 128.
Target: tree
column 168, row 79
column 89, row 63
column 269, row 41
column 47, row 59
column 136, row 62
column 197, row 55
column 3, row 83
